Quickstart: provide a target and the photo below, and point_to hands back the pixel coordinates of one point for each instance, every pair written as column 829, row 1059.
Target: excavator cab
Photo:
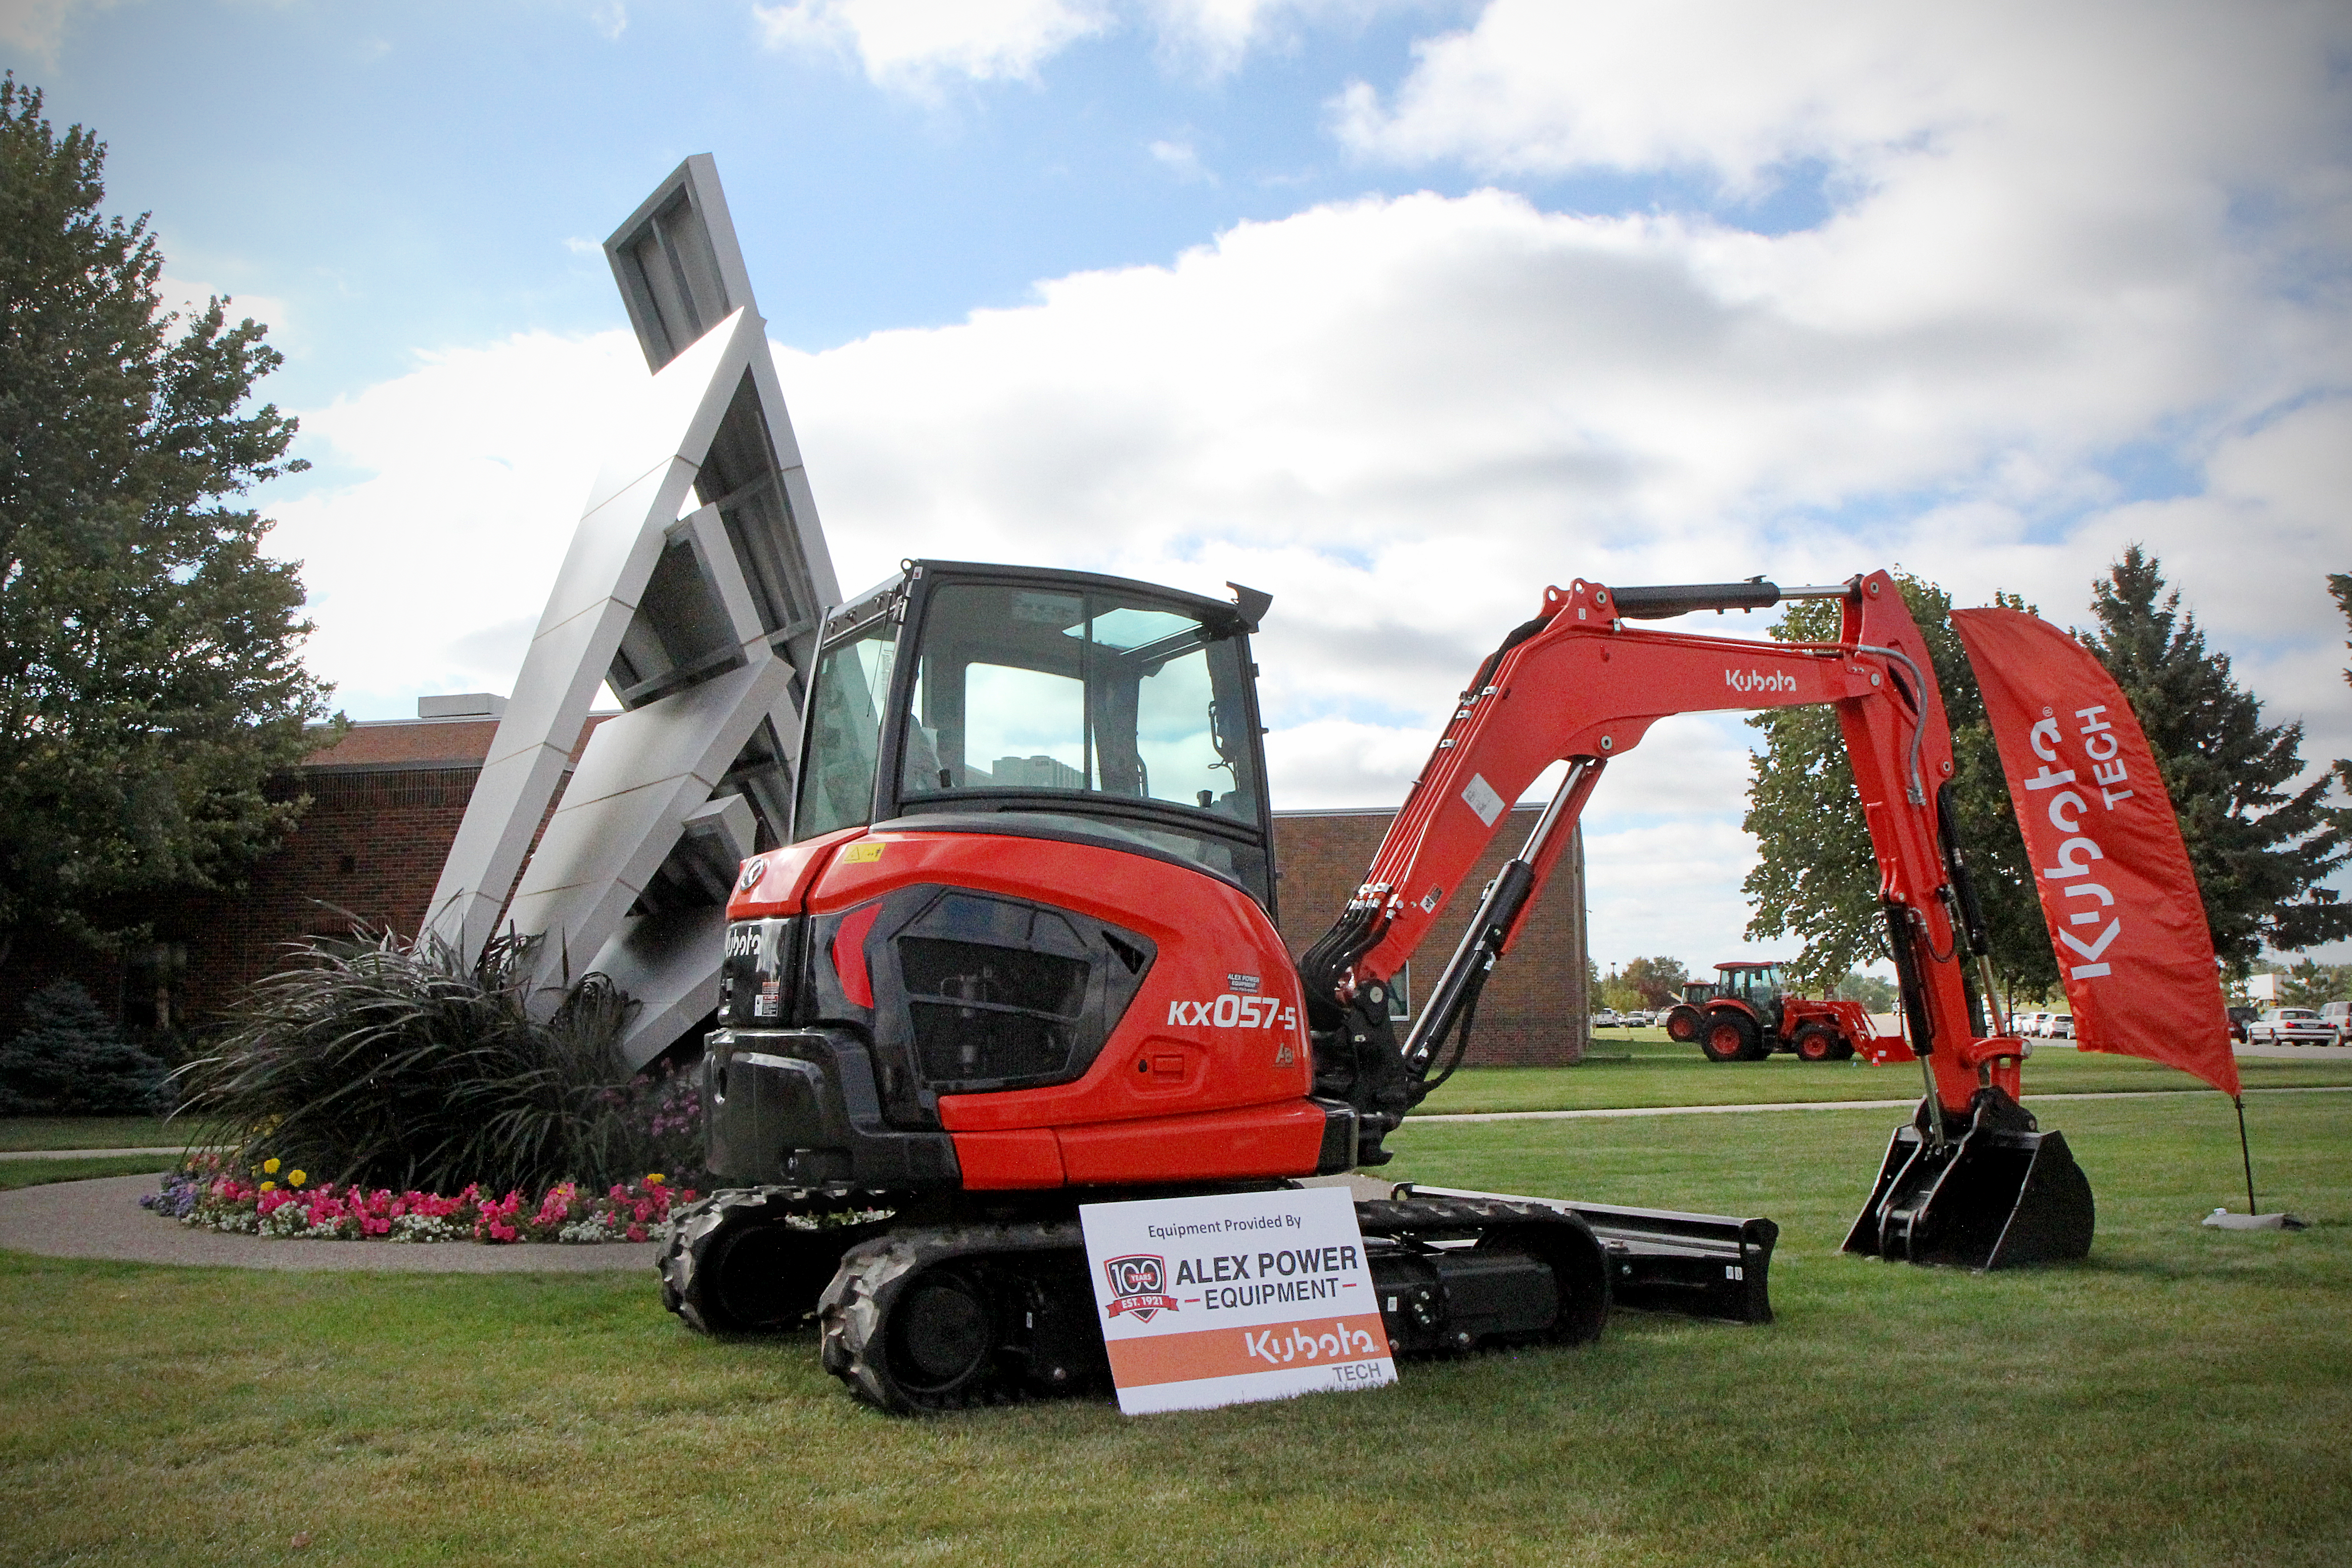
column 1088, row 705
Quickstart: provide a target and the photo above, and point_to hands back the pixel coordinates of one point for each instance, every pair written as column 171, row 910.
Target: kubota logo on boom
column 1758, row 680
column 1138, row 1285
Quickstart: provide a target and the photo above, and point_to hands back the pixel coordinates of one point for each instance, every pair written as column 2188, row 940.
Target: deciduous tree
column 1818, row 879
column 1659, row 980
column 149, row 677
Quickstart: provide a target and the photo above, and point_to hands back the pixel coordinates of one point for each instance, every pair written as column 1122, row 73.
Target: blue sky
column 1398, row 310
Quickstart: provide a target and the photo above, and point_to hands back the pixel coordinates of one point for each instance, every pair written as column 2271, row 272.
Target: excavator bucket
column 2002, row 1195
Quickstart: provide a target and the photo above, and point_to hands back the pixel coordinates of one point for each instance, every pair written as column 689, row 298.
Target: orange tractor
column 1748, row 1013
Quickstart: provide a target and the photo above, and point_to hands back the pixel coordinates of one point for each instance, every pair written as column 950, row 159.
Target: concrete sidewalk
column 103, row 1219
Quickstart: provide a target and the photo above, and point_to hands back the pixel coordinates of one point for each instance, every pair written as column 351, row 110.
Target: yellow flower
column 295, row 1178
column 269, row 1187
column 269, row 1167
column 654, row 1178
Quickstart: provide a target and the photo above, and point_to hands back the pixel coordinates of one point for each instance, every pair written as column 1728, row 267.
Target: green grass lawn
column 14, row 1174
column 2182, row 1399
column 1641, row 1067
column 17, row 1132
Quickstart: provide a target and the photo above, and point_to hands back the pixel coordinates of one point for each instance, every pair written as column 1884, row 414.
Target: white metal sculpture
column 695, row 586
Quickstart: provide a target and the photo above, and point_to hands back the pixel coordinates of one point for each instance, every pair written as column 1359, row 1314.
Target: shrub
column 71, row 1060
column 382, row 1062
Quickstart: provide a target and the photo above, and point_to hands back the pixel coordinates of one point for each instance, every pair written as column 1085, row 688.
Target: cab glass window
column 852, row 688
column 1022, row 689
column 1085, row 695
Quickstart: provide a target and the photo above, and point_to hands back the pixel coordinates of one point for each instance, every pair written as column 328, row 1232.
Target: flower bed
column 212, row 1192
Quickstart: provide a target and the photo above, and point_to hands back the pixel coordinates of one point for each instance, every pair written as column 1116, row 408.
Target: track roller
column 937, row 1318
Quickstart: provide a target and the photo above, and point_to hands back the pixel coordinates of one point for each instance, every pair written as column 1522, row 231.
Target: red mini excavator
column 1021, row 955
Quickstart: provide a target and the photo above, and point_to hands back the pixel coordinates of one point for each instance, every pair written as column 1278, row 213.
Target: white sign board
column 1242, row 1296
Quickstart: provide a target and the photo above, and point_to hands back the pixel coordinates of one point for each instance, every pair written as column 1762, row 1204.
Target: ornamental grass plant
column 379, row 1061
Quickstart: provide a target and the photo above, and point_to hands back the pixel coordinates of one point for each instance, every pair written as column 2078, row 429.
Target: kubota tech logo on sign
column 1759, row 680
column 1276, row 1297
column 1137, row 1285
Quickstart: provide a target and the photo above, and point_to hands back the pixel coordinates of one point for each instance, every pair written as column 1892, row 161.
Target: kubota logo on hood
column 1758, row 680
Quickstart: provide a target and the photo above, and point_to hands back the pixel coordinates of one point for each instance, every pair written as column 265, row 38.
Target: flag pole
column 2245, row 1151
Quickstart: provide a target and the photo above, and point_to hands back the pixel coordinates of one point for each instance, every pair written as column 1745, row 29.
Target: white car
column 2060, row 1026
column 2030, row 1025
column 2337, row 1016
column 2290, row 1027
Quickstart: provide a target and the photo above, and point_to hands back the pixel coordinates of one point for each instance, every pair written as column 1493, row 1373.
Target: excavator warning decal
column 1242, row 1296
column 1480, row 796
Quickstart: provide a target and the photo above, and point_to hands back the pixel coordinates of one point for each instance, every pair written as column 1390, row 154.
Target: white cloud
column 1218, row 35
column 1405, row 416
column 427, row 570
column 912, row 42
column 38, row 26
column 1181, row 159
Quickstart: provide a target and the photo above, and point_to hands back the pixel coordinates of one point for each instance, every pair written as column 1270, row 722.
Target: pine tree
column 2260, row 853
column 69, row 1060
column 1818, row 878
column 148, row 681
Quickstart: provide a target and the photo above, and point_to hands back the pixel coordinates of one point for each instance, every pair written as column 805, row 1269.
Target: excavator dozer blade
column 1701, row 1264
column 2002, row 1195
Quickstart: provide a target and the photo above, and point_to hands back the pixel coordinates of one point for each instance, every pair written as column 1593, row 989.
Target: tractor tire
column 1730, row 1037
column 1683, row 1024
column 1845, row 1051
column 1818, row 1043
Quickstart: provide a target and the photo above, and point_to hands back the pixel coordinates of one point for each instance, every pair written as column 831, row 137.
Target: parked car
column 2337, row 1016
column 2291, row 1026
column 1606, row 1018
column 2030, row 1025
column 2239, row 1018
column 2061, row 1026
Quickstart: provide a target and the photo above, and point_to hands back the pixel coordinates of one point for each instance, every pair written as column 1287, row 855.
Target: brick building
column 386, row 800
column 1533, row 1012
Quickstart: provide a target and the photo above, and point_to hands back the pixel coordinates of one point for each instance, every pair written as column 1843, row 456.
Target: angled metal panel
column 696, row 584
column 643, row 774
column 675, row 259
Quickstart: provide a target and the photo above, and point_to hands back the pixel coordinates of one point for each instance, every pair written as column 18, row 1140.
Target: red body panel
column 1282, row 1140
column 780, row 885
column 1004, row 1162
column 1206, row 1074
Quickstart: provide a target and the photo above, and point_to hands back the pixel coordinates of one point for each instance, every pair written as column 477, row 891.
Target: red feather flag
column 2124, row 917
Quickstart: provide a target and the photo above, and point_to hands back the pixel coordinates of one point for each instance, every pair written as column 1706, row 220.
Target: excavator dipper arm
column 1577, row 684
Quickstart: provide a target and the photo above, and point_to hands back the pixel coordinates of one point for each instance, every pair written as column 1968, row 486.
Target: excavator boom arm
column 1577, row 684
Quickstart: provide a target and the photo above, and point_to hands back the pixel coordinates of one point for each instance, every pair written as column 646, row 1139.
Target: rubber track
column 856, row 1306
column 719, row 1220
